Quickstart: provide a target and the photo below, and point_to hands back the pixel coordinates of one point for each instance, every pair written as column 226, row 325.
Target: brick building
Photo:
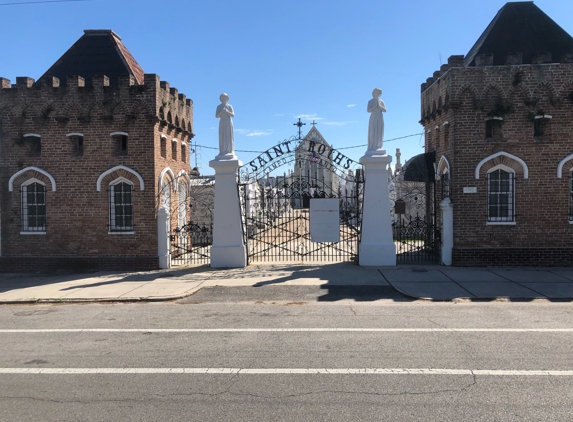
column 87, row 154
column 500, row 121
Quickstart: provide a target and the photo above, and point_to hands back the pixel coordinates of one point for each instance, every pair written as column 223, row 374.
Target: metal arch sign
column 285, row 153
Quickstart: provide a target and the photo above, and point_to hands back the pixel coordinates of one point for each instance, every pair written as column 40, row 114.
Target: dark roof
column 521, row 27
column 97, row 52
column 420, row 168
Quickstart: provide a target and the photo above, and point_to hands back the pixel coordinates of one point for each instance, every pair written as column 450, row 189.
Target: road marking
column 286, row 371
column 287, row 330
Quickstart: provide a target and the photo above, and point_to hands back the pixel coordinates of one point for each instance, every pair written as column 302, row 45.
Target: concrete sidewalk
column 423, row 282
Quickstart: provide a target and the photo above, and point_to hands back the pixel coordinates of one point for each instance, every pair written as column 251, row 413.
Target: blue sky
column 278, row 61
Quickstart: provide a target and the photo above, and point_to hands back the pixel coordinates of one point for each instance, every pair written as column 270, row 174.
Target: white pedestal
column 228, row 249
column 163, row 238
column 447, row 230
column 377, row 244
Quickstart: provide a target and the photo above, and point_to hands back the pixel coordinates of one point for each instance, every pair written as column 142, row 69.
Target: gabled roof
column 314, row 135
column 97, row 52
column 521, row 27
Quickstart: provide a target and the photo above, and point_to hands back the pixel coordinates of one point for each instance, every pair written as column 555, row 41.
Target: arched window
column 166, row 199
column 121, row 213
column 33, row 207
column 501, row 195
column 182, row 205
column 445, row 184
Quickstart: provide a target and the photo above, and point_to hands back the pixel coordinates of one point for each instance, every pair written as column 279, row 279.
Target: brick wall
column 516, row 93
column 77, row 214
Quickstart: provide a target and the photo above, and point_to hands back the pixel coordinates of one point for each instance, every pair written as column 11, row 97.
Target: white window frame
column 26, row 228
column 182, row 205
column 510, row 219
column 111, row 211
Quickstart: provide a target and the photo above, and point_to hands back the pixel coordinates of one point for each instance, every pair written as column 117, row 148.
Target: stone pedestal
column 228, row 249
column 163, row 238
column 377, row 243
column 447, row 230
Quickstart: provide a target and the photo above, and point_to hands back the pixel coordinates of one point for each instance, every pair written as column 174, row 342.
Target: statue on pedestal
column 376, row 124
column 225, row 112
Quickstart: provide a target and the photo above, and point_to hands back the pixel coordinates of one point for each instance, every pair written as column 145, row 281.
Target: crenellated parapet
column 37, row 103
column 542, row 83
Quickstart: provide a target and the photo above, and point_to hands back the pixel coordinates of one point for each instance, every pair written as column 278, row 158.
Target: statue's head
column 224, row 98
column 377, row 92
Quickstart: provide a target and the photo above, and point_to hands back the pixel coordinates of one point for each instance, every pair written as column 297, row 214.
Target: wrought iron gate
column 276, row 218
column 191, row 240
column 416, row 227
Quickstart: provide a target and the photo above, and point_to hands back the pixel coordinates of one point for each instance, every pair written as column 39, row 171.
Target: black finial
column 314, row 123
column 300, row 125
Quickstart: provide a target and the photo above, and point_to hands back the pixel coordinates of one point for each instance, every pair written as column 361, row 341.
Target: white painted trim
column 543, row 116
column 120, row 180
column 446, row 123
column 75, row 134
column 505, row 154
column 32, row 233
column 447, row 161
column 39, row 170
column 162, row 175
column 175, row 140
column 163, row 137
column 120, row 167
column 120, row 232
column 33, row 180
column 501, row 167
column 118, row 133
column 36, row 135
column 493, row 118
column 500, row 223
column 561, row 164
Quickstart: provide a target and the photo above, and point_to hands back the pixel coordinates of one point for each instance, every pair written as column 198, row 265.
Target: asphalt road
column 282, row 355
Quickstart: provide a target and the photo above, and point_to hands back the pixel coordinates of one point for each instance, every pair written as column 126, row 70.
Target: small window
column 34, row 143
column 174, row 149
column 446, row 133
column 163, row 146
column 541, row 127
column 493, row 129
column 33, row 207
column 120, row 143
column 77, row 141
column 500, row 196
column 121, row 207
column 183, row 153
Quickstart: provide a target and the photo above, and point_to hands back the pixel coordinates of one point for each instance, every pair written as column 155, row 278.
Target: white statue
column 376, row 124
column 225, row 112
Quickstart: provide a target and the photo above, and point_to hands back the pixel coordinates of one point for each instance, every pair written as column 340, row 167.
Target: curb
column 100, row 300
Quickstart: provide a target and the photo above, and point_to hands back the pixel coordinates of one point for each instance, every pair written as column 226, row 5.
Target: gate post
column 228, row 249
column 447, row 230
column 163, row 238
column 376, row 243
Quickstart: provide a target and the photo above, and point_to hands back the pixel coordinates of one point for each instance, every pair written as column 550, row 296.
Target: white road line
column 285, row 371
column 286, row 330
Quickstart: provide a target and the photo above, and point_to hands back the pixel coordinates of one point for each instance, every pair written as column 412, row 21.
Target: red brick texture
column 465, row 98
column 77, row 214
